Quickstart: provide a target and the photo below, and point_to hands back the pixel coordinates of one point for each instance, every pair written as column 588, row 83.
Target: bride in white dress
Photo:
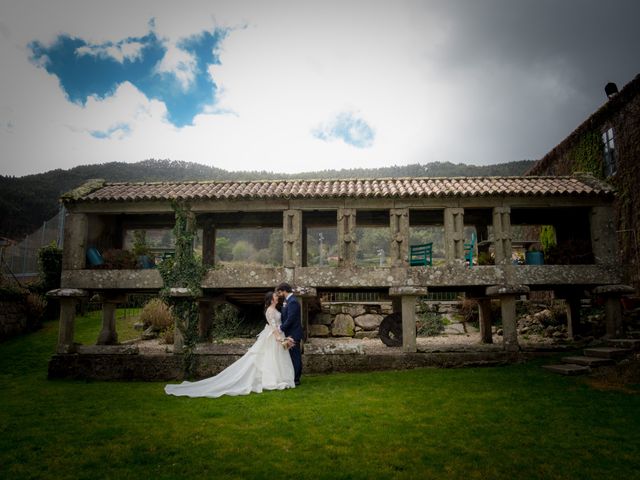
column 265, row 366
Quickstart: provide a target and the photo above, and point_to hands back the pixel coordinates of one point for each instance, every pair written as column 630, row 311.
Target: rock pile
column 357, row 320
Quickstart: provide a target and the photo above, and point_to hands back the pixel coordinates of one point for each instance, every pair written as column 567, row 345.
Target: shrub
column 157, row 313
column 50, row 266
column 243, row 251
column 168, row 335
column 116, row 259
column 227, row 322
column 430, row 324
column 469, row 310
column 36, row 307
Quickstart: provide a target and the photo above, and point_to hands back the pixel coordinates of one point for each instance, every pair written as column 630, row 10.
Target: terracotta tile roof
column 428, row 187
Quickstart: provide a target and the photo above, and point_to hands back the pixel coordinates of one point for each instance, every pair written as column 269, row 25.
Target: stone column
column 572, row 305
column 507, row 295
column 75, row 241
column 306, row 295
column 68, row 298
column 502, row 234
column 399, row 224
column 346, row 237
column 454, row 234
column 408, row 297
column 613, row 308
column 484, row 314
column 292, row 238
column 603, row 234
column 184, row 294
column 108, row 335
column 205, row 318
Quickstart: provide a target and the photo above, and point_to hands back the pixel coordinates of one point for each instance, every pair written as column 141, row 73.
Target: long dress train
column 265, row 366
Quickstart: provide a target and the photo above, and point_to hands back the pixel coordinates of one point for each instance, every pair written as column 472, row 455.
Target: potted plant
column 534, row 255
column 118, row 259
column 141, row 250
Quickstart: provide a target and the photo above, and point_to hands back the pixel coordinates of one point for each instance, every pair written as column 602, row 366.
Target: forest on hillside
column 26, row 202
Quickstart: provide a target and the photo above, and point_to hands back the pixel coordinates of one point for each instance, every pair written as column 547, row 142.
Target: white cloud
column 180, row 63
column 120, row 52
column 420, row 74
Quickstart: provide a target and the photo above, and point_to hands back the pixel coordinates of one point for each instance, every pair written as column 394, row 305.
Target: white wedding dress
column 265, row 366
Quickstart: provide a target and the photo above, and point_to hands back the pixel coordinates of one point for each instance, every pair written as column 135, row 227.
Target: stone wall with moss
column 13, row 316
column 582, row 151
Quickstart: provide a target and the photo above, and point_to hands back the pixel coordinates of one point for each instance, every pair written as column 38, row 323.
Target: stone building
column 607, row 145
column 102, row 216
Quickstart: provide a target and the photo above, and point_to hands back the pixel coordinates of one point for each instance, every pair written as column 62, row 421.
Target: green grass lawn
column 515, row 422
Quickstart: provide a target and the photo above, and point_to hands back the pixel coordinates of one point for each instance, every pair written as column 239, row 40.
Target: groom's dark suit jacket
column 291, row 319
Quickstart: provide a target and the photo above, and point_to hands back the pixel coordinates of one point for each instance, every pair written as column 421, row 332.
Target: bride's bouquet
column 287, row 343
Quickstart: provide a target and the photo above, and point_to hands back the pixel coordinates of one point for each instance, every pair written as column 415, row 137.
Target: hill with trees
column 26, row 202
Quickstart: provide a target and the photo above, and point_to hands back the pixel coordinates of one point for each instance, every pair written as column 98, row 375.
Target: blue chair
column 468, row 249
column 421, row 254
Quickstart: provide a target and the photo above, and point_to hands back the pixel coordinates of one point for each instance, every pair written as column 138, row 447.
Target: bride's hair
column 267, row 300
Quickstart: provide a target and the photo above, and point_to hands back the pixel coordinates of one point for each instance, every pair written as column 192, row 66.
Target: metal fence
column 377, row 296
column 21, row 259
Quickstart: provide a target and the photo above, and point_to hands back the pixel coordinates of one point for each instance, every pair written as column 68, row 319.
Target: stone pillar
column 502, row 234
column 507, row 295
column 396, row 304
column 572, row 305
column 454, row 234
column 75, row 241
column 108, row 335
column 306, row 295
column 484, row 314
column 399, row 224
column 68, row 298
column 205, row 318
column 603, row 234
column 346, row 237
column 208, row 244
column 186, row 295
column 408, row 297
column 613, row 308
column 292, row 238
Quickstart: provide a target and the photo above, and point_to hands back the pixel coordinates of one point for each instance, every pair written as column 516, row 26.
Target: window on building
column 610, row 161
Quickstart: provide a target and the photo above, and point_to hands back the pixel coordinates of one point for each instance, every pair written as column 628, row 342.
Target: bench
column 421, row 254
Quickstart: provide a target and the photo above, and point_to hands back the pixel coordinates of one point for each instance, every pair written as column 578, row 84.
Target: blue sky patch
column 121, row 129
column 348, row 128
column 85, row 69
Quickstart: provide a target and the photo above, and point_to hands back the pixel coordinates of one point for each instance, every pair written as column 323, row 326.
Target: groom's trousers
column 296, row 359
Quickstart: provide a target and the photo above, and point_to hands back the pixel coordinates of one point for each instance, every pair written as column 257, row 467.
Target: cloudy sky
column 298, row 86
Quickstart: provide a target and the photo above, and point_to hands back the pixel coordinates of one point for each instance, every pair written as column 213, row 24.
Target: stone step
column 629, row 343
column 588, row 361
column 568, row 369
column 606, row 352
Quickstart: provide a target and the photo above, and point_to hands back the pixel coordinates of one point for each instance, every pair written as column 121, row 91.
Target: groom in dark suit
column 292, row 326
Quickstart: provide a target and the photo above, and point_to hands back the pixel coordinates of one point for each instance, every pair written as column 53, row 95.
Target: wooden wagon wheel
column 390, row 330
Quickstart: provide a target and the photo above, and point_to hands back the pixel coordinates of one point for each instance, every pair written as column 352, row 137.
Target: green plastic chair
column 421, row 254
column 468, row 249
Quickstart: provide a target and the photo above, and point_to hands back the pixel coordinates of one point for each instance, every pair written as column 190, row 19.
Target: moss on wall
column 587, row 155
